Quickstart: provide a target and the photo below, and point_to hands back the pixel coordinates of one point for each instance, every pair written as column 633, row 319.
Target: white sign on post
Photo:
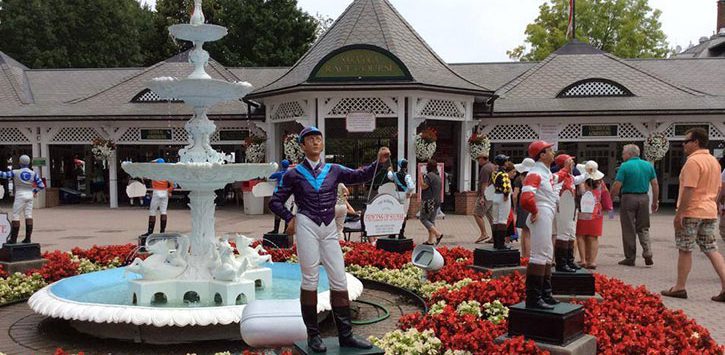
column 384, row 216
column 4, row 226
column 550, row 134
column 360, row 122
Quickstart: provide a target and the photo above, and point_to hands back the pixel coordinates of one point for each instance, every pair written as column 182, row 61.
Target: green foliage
column 625, row 28
column 73, row 33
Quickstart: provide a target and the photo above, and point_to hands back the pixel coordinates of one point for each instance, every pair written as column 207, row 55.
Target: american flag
column 570, row 27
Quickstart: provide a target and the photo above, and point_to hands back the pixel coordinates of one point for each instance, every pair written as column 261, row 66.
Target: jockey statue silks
column 566, row 214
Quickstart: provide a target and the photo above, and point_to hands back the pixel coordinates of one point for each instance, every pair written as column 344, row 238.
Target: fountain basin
column 97, row 304
column 199, row 92
column 199, row 176
column 198, row 33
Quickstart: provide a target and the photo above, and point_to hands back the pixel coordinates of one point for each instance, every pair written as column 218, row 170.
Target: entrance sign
column 233, row 135
column 607, row 130
column 550, row 133
column 40, row 161
column 156, row 134
column 360, row 63
column 360, row 122
column 681, row 129
column 384, row 216
column 5, row 226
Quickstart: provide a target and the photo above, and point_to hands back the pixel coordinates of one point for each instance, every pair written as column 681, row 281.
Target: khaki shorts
column 484, row 208
column 697, row 231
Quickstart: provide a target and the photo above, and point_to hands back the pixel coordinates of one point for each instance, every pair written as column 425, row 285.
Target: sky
column 463, row 31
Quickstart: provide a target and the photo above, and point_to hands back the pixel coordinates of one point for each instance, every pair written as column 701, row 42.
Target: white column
column 464, row 168
column 113, row 180
column 272, row 142
column 412, row 126
column 320, row 123
column 401, row 128
column 45, row 153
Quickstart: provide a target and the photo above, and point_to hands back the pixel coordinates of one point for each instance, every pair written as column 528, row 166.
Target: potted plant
column 656, row 146
column 425, row 144
column 478, row 144
column 255, row 148
column 102, row 149
column 292, row 149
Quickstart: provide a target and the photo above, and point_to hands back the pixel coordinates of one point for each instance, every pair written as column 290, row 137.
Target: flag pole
column 573, row 19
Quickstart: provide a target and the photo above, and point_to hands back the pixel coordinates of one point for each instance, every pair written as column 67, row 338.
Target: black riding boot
column 163, row 224
column 560, row 256
column 308, row 301
column 343, row 322
column 570, row 256
column 546, row 288
column 499, row 238
column 277, row 222
column 28, row 231
column 152, row 224
column 14, row 231
column 534, row 284
column 402, row 230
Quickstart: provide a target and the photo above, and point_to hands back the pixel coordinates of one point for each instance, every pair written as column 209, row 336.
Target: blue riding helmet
column 311, row 130
column 402, row 164
column 159, row 161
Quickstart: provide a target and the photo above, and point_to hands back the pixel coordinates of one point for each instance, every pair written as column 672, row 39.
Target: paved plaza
column 85, row 225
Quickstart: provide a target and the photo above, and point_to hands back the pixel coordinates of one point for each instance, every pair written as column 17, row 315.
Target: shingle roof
column 14, row 87
column 258, row 77
column 707, row 48
column 62, row 85
column 377, row 23
column 492, row 75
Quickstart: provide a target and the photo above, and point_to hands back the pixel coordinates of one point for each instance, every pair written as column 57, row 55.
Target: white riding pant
column 318, row 244
column 542, row 248
column 565, row 227
column 159, row 201
column 23, row 204
column 501, row 209
column 340, row 214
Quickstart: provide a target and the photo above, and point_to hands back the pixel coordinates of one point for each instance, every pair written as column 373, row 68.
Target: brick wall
column 465, row 202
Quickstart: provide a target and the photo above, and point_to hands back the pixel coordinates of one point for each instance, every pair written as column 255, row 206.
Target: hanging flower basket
column 292, row 149
column 255, row 149
column 656, row 146
column 478, row 144
column 102, row 149
column 425, row 144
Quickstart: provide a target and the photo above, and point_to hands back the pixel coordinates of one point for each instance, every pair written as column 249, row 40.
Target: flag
column 570, row 27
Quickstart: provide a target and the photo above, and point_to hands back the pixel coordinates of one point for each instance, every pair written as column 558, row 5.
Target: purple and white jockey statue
column 314, row 186
column 27, row 183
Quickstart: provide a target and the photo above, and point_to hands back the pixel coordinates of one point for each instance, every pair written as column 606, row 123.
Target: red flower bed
column 104, row 255
column 3, row 273
column 365, row 254
column 508, row 290
column 59, row 266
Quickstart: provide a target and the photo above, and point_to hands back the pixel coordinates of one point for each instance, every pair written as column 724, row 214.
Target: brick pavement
column 68, row 226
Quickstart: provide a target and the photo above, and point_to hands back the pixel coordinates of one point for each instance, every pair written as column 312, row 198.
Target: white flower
column 292, row 149
column 255, row 153
column 423, row 149
column 656, row 146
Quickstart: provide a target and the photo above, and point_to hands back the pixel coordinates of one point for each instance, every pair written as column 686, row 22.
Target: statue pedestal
column 19, row 252
column 583, row 345
column 333, row 347
column 580, row 283
column 276, row 241
column 177, row 292
column 560, row 326
column 491, row 258
column 394, row 245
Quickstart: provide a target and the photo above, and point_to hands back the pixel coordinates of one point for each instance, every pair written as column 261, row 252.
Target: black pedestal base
column 276, row 241
column 489, row 257
column 394, row 245
column 573, row 283
column 333, row 347
column 19, row 252
column 559, row 326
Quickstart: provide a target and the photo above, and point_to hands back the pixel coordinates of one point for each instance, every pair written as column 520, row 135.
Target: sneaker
column 626, row 262
column 648, row 261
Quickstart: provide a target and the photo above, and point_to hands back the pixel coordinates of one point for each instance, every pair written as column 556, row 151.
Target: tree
column 73, row 33
column 261, row 32
column 625, row 28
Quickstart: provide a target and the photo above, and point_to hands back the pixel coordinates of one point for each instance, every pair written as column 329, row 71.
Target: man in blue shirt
column 634, row 178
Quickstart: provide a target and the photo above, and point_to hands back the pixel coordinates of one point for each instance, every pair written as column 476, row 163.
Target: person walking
column 430, row 201
column 590, row 220
column 501, row 202
column 721, row 199
column 633, row 179
column 26, row 183
column 539, row 197
column 521, row 213
column 483, row 208
column 696, row 217
column 314, row 184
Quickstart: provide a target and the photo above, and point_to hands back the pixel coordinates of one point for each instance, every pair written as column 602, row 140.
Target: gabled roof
column 14, row 87
column 376, row 23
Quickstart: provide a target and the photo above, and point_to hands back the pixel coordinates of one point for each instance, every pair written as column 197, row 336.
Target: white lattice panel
column 715, row 133
column 628, row 130
column 443, row 108
column 12, row 135
column 571, row 131
column 361, row 104
column 594, row 88
column 514, row 132
column 76, row 135
column 287, row 110
column 179, row 134
column 132, row 134
column 150, row 96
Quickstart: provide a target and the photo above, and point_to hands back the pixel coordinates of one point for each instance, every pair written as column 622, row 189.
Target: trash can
column 252, row 205
column 52, row 198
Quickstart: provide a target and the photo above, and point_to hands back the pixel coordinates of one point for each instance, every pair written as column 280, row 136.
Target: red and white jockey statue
column 539, row 196
column 566, row 214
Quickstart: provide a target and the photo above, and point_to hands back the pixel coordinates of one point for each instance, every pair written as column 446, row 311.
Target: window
column 594, row 88
column 147, row 95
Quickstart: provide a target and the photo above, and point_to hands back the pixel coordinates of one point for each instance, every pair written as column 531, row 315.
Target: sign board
column 4, row 226
column 681, row 129
column 233, row 135
column 40, row 161
column 360, row 122
column 550, row 133
column 384, row 216
column 156, row 134
column 422, row 171
column 607, row 130
column 360, row 63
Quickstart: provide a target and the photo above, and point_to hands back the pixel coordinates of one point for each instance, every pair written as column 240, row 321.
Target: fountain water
column 198, row 270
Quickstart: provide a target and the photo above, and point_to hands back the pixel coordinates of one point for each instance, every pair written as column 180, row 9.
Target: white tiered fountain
column 192, row 287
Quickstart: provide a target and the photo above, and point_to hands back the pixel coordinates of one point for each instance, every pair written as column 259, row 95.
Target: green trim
column 360, row 62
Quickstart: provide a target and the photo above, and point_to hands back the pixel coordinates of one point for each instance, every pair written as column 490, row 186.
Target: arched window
column 148, row 96
column 595, row 88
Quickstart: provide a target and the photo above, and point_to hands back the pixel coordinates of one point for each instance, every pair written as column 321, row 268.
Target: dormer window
column 148, row 96
column 595, row 88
